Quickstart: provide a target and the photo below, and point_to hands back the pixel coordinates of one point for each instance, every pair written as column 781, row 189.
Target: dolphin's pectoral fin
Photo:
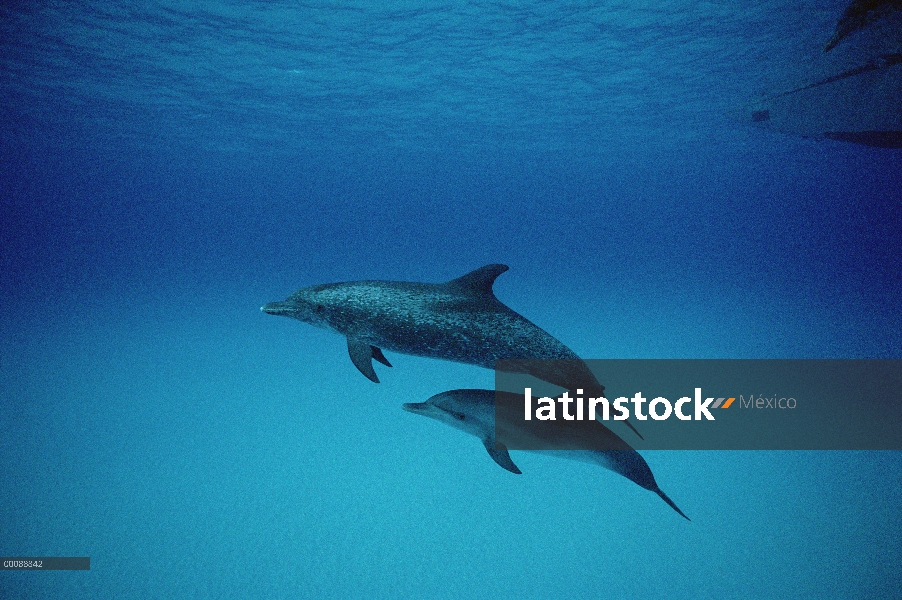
column 362, row 355
column 377, row 354
column 479, row 282
column 499, row 454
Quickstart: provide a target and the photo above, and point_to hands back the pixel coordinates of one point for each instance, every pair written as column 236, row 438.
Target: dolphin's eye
column 319, row 308
column 459, row 416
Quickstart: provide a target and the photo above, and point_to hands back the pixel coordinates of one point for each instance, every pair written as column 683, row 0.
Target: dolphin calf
column 473, row 411
column 460, row 320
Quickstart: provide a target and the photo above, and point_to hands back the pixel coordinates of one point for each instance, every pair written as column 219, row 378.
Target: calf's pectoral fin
column 362, row 355
column 499, row 454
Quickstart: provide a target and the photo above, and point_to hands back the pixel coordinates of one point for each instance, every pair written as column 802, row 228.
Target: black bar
column 45, row 563
column 779, row 404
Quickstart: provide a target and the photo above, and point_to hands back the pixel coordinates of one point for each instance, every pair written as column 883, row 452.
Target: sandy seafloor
column 167, row 168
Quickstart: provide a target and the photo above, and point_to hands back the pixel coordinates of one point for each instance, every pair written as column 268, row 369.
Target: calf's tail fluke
column 667, row 499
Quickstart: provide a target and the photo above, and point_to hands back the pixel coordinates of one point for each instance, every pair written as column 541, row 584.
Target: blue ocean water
column 166, row 168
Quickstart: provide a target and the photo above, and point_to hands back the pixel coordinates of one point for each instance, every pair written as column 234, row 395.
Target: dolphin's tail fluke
column 640, row 437
column 667, row 499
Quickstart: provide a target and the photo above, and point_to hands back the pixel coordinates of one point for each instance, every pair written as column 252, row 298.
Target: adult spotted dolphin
column 473, row 411
column 460, row 320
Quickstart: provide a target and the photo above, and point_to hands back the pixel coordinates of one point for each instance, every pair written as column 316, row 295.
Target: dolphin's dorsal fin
column 479, row 282
column 499, row 454
column 362, row 355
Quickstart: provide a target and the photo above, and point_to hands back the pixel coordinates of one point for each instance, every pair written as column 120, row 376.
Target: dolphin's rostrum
column 460, row 320
column 473, row 411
